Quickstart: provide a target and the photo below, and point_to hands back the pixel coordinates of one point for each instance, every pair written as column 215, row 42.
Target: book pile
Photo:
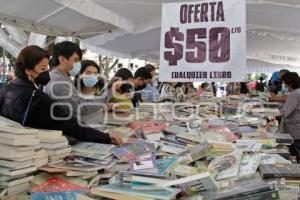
column 85, row 160
column 17, row 150
column 149, row 177
column 54, row 144
column 249, row 189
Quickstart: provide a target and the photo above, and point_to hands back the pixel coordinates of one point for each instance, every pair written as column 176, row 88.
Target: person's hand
column 128, row 95
column 272, row 94
column 116, row 138
column 110, row 106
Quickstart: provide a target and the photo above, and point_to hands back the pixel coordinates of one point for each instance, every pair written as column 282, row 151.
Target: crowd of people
column 72, row 93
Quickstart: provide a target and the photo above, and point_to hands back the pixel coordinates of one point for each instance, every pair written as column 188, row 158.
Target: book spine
column 280, row 175
column 267, row 195
column 165, row 140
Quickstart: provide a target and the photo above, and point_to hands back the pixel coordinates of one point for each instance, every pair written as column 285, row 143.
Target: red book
column 56, row 184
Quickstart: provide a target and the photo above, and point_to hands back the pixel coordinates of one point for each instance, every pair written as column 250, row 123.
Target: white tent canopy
column 131, row 28
column 272, row 34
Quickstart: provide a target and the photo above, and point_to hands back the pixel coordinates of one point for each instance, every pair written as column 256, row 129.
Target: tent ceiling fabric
column 272, row 34
column 50, row 17
column 130, row 28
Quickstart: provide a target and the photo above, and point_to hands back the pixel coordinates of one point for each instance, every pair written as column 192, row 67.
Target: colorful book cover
column 226, row 166
column 164, row 164
column 145, row 164
column 148, row 126
column 134, row 151
column 57, row 184
column 54, row 196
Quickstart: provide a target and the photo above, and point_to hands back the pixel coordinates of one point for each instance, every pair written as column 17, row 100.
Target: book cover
column 134, row 151
column 279, row 171
column 75, row 166
column 143, row 165
column 54, row 195
column 165, row 163
column 89, row 147
column 124, row 189
column 247, row 146
column 226, row 166
column 148, row 126
column 249, row 165
column 243, row 189
column 57, row 184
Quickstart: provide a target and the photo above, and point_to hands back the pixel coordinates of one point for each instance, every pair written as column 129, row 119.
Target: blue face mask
column 76, row 69
column 90, row 80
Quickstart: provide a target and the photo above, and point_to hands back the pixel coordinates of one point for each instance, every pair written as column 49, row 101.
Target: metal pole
column 4, row 65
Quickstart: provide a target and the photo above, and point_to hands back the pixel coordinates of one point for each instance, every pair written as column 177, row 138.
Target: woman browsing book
column 23, row 101
column 291, row 111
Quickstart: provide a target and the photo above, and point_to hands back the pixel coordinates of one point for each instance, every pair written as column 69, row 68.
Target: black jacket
column 14, row 101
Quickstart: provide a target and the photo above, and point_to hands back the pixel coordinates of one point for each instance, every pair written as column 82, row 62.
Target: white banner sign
column 203, row 41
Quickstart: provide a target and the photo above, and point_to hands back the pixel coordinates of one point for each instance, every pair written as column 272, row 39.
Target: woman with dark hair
column 87, row 81
column 23, row 101
column 121, row 97
column 291, row 111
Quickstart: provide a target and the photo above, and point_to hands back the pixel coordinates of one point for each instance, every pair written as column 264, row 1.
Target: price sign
column 203, row 41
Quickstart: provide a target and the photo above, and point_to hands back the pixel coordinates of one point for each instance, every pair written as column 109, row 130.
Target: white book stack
column 56, row 146
column 17, row 150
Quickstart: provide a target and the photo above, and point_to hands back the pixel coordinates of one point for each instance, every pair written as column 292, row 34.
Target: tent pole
column 4, row 64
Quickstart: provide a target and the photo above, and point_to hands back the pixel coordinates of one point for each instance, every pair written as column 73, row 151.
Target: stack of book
column 55, row 144
column 17, row 150
column 87, row 159
column 40, row 158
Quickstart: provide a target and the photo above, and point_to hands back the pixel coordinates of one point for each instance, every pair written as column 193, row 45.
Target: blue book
column 54, row 196
column 164, row 164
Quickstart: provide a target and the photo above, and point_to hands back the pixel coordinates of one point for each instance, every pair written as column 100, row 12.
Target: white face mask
column 284, row 88
column 76, row 69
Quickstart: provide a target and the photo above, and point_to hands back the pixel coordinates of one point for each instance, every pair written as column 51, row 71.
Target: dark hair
column 65, row 49
column 203, row 85
column 124, row 73
column 283, row 71
column 150, row 67
column 85, row 64
column 142, row 73
column 28, row 58
column 291, row 79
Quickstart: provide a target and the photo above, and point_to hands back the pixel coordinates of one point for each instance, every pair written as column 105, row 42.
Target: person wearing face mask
column 291, row 111
column 88, row 84
column 22, row 100
column 151, row 93
column 66, row 59
column 278, row 90
column 141, row 78
column 87, row 81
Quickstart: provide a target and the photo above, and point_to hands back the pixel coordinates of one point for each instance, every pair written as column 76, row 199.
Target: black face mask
column 43, row 78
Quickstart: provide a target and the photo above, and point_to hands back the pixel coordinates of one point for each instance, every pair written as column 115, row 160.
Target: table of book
column 208, row 148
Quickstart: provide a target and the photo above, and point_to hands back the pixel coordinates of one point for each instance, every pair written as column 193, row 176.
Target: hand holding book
column 116, row 138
